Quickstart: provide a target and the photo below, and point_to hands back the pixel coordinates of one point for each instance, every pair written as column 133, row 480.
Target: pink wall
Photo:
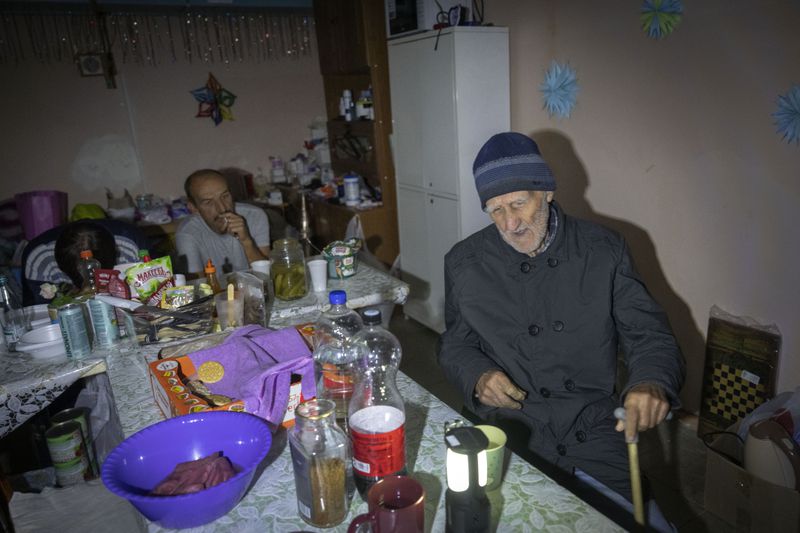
column 66, row 132
column 672, row 143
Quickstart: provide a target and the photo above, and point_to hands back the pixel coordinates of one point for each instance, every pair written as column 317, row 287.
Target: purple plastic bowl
column 144, row 459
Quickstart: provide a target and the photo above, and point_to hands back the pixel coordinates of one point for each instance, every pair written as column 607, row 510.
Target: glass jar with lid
column 321, row 460
column 288, row 270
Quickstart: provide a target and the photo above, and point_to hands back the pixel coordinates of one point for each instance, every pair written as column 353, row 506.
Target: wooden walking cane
column 636, row 478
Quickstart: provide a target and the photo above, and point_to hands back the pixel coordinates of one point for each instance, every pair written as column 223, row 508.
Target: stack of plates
column 43, row 342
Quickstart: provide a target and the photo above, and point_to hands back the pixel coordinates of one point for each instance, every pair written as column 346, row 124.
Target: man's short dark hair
column 187, row 185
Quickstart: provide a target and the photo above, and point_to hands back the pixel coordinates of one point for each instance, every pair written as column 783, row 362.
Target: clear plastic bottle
column 13, row 315
column 86, row 267
column 321, row 461
column 334, row 355
column 377, row 427
column 375, row 345
column 339, row 323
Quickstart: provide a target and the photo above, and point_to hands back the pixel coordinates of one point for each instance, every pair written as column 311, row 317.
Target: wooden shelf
column 351, row 38
column 329, row 223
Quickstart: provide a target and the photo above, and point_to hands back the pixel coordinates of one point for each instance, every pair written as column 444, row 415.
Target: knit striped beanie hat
column 510, row 162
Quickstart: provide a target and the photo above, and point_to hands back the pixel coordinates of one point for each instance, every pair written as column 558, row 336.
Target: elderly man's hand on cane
column 646, row 406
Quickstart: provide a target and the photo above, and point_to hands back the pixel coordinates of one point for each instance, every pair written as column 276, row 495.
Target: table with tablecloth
column 528, row 500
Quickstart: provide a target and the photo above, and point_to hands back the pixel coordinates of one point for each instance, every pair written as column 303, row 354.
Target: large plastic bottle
column 376, row 422
column 13, row 316
column 334, row 356
column 339, row 323
column 86, row 267
column 375, row 345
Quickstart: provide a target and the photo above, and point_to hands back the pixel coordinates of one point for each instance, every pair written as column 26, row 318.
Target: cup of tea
column 396, row 504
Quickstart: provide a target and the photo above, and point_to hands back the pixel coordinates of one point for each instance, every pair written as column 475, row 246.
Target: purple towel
column 259, row 364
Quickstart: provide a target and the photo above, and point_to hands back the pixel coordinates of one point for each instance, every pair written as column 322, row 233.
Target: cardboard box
column 174, row 399
column 747, row 502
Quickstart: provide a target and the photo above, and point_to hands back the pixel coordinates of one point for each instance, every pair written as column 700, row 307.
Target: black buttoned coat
column 554, row 324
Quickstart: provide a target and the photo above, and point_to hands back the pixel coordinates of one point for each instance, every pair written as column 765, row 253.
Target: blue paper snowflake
column 559, row 90
column 787, row 117
column 659, row 17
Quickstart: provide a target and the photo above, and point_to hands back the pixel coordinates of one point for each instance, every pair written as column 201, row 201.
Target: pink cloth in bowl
column 259, row 364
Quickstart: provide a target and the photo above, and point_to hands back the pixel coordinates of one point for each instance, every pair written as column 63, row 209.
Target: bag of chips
column 150, row 279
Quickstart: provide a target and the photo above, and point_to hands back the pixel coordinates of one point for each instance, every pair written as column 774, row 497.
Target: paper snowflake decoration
column 659, row 17
column 787, row 117
column 559, row 90
column 214, row 101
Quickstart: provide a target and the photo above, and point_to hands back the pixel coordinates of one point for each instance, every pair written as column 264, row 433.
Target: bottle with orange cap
column 211, row 277
column 87, row 265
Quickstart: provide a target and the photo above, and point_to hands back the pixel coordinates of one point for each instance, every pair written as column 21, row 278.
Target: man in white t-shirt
column 231, row 235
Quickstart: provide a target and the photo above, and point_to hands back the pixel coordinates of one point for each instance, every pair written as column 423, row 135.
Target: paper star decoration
column 214, row 101
column 659, row 17
column 559, row 90
column 787, row 117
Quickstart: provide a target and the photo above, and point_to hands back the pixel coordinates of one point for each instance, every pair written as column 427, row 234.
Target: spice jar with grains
column 322, row 464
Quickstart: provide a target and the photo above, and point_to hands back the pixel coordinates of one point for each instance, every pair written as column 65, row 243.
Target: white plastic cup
column 230, row 312
column 262, row 265
column 319, row 274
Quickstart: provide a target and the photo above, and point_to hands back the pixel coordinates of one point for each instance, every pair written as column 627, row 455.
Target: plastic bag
column 356, row 230
column 783, row 408
column 258, row 298
column 106, row 427
column 85, row 507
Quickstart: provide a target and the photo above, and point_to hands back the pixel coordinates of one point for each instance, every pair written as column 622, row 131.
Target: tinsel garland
column 50, row 36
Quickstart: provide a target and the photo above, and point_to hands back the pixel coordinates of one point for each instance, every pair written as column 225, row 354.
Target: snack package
column 175, row 297
column 102, row 277
column 342, row 257
column 150, row 279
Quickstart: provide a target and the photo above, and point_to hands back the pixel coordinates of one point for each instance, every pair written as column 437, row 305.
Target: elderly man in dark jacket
column 537, row 306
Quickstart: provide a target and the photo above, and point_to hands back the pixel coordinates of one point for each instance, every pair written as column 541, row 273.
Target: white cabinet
column 450, row 93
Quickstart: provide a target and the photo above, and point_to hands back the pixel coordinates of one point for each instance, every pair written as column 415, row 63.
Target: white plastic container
column 352, row 190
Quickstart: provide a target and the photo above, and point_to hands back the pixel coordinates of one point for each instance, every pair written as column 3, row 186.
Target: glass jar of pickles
column 288, row 270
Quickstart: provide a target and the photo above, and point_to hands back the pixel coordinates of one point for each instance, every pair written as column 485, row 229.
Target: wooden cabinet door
column 340, row 36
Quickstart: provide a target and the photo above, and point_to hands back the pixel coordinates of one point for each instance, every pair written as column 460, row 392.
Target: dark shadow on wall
column 572, row 182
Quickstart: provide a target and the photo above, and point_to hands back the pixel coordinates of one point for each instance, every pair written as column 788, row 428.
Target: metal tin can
column 74, row 331
column 73, row 472
column 65, row 442
column 104, row 323
column 81, row 415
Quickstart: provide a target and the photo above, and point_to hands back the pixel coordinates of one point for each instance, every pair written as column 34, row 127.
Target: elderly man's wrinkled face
column 212, row 200
column 521, row 217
